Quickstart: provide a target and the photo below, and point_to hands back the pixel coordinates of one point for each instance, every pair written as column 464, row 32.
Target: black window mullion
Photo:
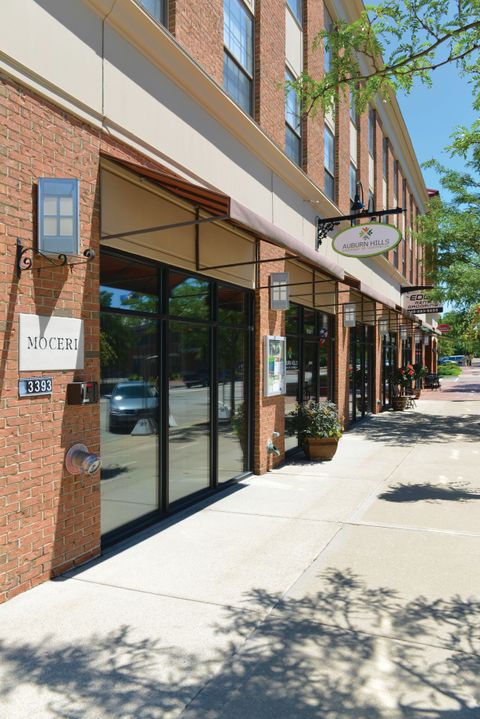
column 213, row 334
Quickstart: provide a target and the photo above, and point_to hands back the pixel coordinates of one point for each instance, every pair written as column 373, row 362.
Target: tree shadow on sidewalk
column 409, row 428
column 347, row 651
column 453, row 492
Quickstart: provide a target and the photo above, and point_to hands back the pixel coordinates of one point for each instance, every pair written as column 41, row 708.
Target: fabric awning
column 216, row 203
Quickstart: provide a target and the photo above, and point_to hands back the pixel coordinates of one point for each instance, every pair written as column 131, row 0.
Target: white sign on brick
column 49, row 343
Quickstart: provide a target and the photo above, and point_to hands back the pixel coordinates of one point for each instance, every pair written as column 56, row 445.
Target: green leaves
column 391, row 45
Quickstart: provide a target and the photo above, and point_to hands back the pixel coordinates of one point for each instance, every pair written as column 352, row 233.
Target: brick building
column 157, row 140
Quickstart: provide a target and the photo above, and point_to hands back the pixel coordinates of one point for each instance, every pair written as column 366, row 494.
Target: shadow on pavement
column 331, row 655
column 408, row 428
column 453, row 492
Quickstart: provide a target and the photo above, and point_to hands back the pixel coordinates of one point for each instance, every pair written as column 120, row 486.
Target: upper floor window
column 296, row 6
column 329, row 163
column 353, row 110
column 238, row 54
column 385, row 157
column 327, row 56
column 293, row 139
column 353, row 181
column 395, row 180
column 371, row 131
column 155, row 8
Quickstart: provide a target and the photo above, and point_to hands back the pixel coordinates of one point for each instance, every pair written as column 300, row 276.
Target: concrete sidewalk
column 342, row 589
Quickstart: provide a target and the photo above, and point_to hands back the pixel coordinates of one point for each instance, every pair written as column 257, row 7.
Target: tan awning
column 217, row 203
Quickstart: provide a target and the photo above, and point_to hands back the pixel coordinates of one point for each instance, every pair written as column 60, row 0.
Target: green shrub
column 449, row 370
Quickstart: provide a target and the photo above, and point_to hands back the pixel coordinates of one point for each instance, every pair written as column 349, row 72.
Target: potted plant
column 420, row 371
column 318, row 427
column 401, row 382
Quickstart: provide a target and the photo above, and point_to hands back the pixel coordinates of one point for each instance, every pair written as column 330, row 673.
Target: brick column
column 191, row 23
column 270, row 68
column 269, row 411
column 50, row 518
column 342, row 149
column 313, row 126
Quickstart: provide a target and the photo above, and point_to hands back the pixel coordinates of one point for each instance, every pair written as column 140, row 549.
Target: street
column 317, row 591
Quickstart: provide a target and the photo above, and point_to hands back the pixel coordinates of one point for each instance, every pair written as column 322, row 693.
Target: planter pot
column 399, row 403
column 320, row 448
column 417, row 393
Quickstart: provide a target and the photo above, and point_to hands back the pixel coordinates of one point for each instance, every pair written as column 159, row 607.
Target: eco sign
column 366, row 240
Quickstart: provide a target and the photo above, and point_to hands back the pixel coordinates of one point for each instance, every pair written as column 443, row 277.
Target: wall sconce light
column 383, row 326
column 418, row 337
column 349, row 315
column 426, row 340
column 279, row 291
column 403, row 332
column 58, row 216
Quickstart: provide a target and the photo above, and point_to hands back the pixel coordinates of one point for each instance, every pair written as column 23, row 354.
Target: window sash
column 237, row 83
column 238, row 33
column 296, row 7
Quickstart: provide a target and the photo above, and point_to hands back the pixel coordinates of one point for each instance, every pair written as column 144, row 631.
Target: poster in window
column 275, row 373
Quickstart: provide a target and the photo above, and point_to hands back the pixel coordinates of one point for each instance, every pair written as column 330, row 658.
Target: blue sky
column 431, row 115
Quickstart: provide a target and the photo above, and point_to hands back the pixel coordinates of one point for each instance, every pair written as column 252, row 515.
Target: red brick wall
column 270, row 68
column 342, row 149
column 50, row 519
column 313, row 63
column 269, row 411
column 198, row 27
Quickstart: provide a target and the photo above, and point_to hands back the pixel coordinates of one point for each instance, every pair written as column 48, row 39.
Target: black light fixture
column 358, row 203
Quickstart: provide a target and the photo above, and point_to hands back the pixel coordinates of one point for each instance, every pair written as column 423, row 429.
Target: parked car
column 129, row 402
column 456, row 359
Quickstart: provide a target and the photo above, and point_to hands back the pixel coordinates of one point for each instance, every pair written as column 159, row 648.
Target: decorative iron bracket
column 24, row 262
column 326, row 225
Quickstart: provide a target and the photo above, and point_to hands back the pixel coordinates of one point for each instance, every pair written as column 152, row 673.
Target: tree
column 451, row 232
column 391, row 45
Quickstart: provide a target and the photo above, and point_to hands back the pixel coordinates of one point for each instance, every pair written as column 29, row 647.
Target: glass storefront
column 361, row 371
column 310, row 360
column 175, row 395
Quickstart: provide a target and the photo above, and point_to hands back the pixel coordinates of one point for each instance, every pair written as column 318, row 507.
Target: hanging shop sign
column 368, row 240
column 444, row 329
column 419, row 303
column 50, row 343
column 275, row 366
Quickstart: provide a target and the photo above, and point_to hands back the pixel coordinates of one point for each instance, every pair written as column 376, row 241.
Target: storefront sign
column 35, row 386
column 444, row 329
column 368, row 240
column 419, row 303
column 48, row 343
column 275, row 366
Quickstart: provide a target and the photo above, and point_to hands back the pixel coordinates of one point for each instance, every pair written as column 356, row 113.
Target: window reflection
column 189, row 409
column 231, row 305
column 232, row 410
column 128, row 285
column 188, row 296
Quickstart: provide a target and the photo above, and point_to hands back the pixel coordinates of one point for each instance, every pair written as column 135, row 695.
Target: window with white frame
column 395, row 204
column 296, row 6
column 353, row 181
column 156, row 8
column 293, row 134
column 329, row 162
column 238, row 54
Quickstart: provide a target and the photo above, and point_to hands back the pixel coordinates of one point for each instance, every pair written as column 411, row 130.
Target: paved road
column 342, row 590
column 458, row 389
